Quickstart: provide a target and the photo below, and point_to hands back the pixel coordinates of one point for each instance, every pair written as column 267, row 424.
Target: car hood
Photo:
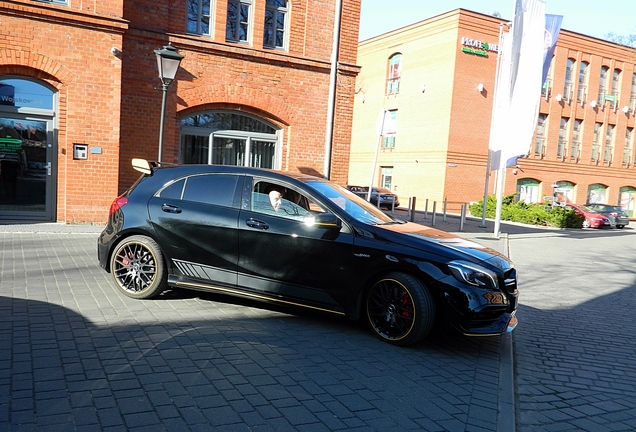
column 422, row 237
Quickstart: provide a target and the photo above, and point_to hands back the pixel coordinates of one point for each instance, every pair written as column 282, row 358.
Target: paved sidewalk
column 76, row 355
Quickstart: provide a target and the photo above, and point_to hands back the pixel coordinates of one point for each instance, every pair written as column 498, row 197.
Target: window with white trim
column 229, row 138
column 567, row 88
column 198, row 17
column 601, row 85
column 580, row 95
column 275, row 26
column 238, row 20
column 609, row 143
column 390, row 129
column 575, row 145
column 395, row 71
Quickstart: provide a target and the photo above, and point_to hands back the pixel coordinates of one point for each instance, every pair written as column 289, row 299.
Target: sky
column 590, row 17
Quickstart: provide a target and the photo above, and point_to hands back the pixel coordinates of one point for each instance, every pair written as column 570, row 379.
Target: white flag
column 518, row 93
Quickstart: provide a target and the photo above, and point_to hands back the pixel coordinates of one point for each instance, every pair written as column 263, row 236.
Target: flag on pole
column 518, row 92
column 552, row 29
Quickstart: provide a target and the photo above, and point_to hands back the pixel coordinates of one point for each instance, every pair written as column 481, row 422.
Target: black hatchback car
column 301, row 241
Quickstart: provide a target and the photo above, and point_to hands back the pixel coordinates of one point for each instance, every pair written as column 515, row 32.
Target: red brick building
column 80, row 94
column 436, row 79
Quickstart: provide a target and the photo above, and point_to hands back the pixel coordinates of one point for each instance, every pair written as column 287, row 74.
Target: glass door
column 26, row 168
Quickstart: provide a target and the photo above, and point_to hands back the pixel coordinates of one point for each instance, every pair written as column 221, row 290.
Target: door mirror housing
column 323, row 220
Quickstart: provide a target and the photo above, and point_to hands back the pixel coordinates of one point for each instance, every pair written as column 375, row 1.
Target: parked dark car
column 617, row 216
column 304, row 242
column 592, row 218
column 387, row 198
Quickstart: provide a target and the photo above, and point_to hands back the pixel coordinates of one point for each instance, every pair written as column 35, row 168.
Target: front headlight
column 473, row 274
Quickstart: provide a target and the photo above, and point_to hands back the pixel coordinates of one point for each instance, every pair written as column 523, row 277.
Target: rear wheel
column 137, row 267
column 400, row 309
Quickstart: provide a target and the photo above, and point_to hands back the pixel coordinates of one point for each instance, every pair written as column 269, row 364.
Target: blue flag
column 552, row 28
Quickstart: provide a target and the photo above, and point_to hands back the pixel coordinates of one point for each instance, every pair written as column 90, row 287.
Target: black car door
column 196, row 221
column 283, row 256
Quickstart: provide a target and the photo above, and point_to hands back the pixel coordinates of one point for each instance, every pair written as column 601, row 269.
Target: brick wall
column 71, row 52
column 113, row 102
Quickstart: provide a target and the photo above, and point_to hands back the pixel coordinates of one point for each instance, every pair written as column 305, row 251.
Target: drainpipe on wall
column 332, row 90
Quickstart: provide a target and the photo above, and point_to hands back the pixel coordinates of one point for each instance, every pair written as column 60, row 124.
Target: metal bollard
column 392, row 204
column 426, row 209
column 444, row 214
column 409, row 209
column 413, row 209
column 462, row 217
column 433, row 220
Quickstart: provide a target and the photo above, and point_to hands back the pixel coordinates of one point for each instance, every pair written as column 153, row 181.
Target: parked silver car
column 617, row 216
column 387, row 198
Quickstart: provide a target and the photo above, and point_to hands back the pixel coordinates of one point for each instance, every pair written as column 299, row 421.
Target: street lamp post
column 168, row 60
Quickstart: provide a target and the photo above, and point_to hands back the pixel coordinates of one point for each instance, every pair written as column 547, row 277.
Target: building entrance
column 27, row 152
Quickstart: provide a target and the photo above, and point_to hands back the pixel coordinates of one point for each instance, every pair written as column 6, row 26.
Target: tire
column 138, row 268
column 399, row 309
column 620, row 226
column 586, row 223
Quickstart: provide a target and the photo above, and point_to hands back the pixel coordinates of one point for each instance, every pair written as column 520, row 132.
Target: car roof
column 175, row 171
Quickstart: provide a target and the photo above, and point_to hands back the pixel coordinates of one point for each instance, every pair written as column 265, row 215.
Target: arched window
column 580, row 96
column 229, row 138
column 626, row 198
column 602, row 84
column 395, row 70
column 21, row 93
column 632, row 95
column 596, row 193
column 528, row 190
column 616, row 78
column 567, row 89
column 564, row 191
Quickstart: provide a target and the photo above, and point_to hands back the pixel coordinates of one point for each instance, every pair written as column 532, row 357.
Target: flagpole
column 489, row 156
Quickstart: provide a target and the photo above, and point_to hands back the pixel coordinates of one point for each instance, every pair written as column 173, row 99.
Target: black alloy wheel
column 400, row 309
column 137, row 267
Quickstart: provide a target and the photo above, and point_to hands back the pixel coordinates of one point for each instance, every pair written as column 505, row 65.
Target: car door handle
column 170, row 208
column 253, row 223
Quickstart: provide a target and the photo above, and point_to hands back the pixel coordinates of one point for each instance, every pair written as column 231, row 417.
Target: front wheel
column 586, row 223
column 620, row 226
column 400, row 309
column 137, row 267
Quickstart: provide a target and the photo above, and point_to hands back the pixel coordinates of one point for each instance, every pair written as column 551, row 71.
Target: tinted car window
column 173, row 191
column 282, row 201
column 217, row 189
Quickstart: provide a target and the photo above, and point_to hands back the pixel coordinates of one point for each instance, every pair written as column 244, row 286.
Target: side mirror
column 323, row 220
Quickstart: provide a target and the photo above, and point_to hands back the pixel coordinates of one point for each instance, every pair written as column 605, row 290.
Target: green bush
column 531, row 214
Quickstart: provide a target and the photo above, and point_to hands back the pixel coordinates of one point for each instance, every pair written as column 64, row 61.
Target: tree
column 627, row 40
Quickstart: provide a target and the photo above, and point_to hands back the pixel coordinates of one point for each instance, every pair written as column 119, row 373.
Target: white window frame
column 248, row 23
column 200, row 17
column 277, row 10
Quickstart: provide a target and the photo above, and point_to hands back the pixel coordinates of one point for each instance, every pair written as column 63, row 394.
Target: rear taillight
column 117, row 204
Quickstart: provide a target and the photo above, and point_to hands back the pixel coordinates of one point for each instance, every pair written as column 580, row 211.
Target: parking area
column 76, row 355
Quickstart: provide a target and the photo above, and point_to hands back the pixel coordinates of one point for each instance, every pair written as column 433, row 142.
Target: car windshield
column 356, row 207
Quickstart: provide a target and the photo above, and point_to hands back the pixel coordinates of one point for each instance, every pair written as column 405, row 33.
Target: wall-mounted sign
column 477, row 47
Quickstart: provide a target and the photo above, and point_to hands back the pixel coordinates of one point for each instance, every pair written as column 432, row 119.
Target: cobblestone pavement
column 76, row 355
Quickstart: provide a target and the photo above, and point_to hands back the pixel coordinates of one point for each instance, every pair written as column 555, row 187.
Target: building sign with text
column 477, row 47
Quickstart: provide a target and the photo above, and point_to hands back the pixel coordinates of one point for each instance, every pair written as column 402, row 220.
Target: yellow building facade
column 435, row 79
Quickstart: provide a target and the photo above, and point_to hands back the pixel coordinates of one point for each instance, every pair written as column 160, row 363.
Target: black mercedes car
column 304, row 242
